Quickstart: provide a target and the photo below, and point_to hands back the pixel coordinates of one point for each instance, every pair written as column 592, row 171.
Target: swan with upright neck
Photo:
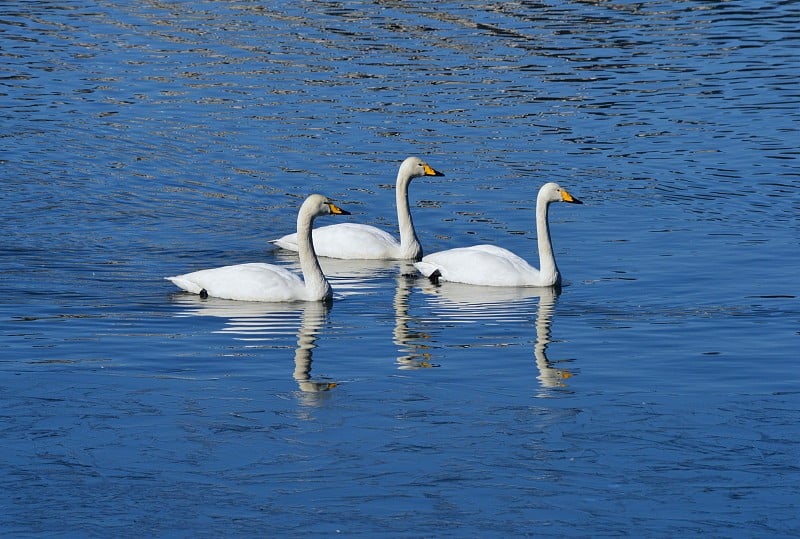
column 267, row 282
column 489, row 265
column 355, row 241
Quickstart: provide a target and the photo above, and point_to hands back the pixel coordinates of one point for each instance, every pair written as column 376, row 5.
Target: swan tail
column 428, row 270
column 288, row 242
column 185, row 284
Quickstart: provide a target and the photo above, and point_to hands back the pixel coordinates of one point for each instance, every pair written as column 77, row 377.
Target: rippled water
column 656, row 395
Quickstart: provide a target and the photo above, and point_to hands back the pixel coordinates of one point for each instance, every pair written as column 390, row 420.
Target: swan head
column 321, row 205
column 414, row 167
column 552, row 192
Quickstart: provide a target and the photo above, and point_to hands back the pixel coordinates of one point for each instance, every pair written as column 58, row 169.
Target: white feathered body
column 356, row 241
column 489, row 265
column 255, row 281
column 484, row 265
column 350, row 241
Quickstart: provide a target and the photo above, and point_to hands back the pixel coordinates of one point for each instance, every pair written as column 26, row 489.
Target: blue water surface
column 655, row 395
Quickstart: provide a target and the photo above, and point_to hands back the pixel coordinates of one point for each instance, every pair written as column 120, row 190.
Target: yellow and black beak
column 430, row 171
column 566, row 197
column 336, row 210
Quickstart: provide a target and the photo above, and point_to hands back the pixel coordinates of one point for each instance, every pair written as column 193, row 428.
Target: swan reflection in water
column 258, row 323
column 500, row 305
column 354, row 277
column 413, row 346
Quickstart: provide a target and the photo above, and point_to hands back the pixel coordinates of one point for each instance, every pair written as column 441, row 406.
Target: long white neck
column 547, row 262
column 409, row 244
column 317, row 287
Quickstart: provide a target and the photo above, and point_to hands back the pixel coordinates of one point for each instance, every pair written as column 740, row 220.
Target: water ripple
column 142, row 139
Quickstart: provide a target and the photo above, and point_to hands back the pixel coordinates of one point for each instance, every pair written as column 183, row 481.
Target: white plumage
column 357, row 241
column 267, row 282
column 489, row 265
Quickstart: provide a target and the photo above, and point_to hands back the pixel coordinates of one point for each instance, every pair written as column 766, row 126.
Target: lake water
column 656, row 395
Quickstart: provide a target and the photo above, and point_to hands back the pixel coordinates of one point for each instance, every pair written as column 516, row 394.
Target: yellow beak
column 429, row 171
column 336, row 210
column 566, row 197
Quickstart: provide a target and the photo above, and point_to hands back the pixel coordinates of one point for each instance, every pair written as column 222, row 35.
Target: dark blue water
column 655, row 395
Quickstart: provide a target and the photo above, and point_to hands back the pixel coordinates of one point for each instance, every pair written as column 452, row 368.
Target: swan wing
column 245, row 282
column 348, row 241
column 485, row 265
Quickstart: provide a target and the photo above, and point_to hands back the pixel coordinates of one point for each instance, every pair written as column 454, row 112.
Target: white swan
column 267, row 282
column 355, row 241
column 488, row 265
